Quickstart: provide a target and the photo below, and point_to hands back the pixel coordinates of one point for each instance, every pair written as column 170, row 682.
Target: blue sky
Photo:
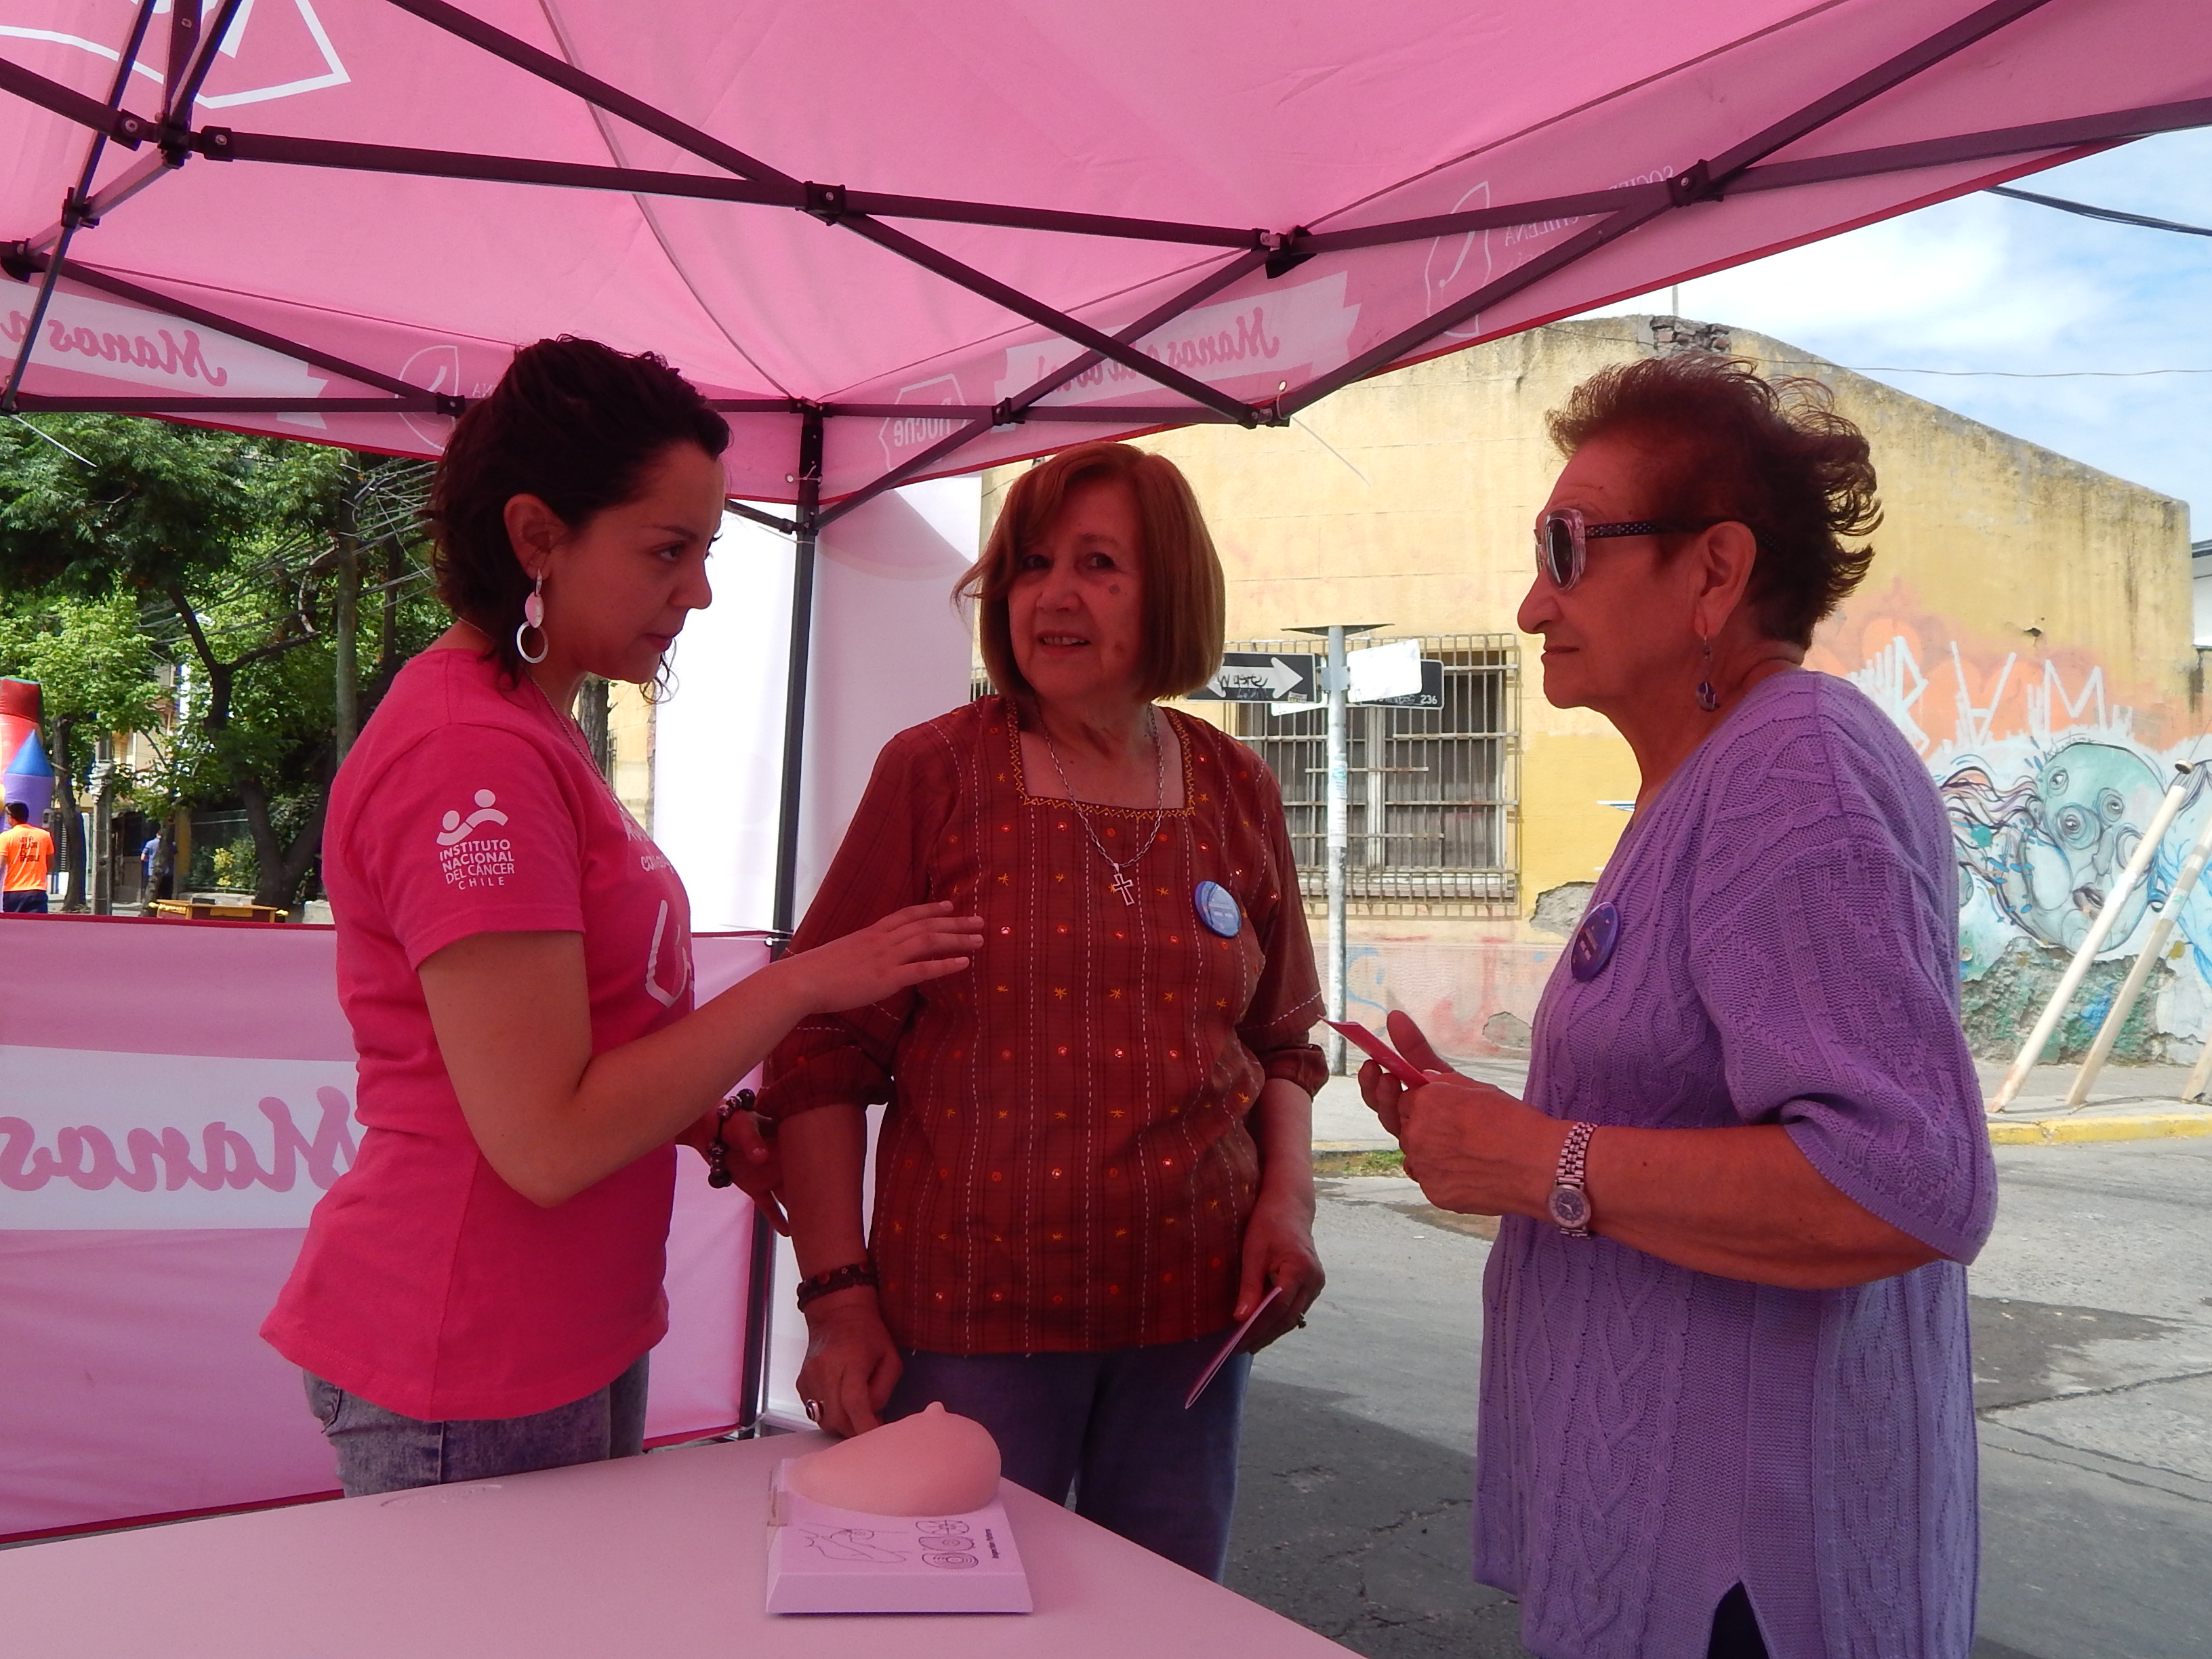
column 1983, row 284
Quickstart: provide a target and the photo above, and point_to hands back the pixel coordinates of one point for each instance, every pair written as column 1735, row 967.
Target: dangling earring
column 533, row 616
column 1708, row 699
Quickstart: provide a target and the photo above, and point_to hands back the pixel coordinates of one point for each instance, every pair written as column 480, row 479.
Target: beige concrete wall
column 629, row 732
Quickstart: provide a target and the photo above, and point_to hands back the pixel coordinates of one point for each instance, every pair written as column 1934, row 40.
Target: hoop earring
column 533, row 617
column 1708, row 699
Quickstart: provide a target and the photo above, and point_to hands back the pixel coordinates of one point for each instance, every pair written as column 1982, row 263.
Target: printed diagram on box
column 848, row 1544
column 941, row 1543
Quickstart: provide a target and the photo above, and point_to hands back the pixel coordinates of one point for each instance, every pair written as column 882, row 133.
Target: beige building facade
column 2027, row 624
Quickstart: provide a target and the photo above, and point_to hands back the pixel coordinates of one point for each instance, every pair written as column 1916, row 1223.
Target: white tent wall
column 718, row 740
column 890, row 650
column 899, row 651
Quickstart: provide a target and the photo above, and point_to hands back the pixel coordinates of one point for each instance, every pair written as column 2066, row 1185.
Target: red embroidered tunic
column 1065, row 1164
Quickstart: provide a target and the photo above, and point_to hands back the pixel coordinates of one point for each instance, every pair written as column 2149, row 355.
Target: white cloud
column 1984, row 284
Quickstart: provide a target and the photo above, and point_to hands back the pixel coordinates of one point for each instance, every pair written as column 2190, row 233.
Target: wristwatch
column 1569, row 1205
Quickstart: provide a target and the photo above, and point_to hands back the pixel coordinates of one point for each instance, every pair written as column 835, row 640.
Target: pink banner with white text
column 174, row 1097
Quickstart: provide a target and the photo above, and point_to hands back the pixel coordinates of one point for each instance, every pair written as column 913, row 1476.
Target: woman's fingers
column 884, row 1376
column 1383, row 1094
column 755, row 1167
column 1301, row 1280
column 1412, row 1041
column 855, row 1400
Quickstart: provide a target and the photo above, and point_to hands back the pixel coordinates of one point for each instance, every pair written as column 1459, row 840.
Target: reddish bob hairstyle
column 1183, row 606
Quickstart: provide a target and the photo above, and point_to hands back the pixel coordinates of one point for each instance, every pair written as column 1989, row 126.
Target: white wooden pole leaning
column 2093, row 942
column 2154, row 947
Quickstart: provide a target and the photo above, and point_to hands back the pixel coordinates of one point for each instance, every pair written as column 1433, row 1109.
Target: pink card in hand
column 1391, row 1060
column 1229, row 1347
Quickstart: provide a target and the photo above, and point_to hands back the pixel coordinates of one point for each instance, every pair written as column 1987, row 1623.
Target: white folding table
column 661, row 1556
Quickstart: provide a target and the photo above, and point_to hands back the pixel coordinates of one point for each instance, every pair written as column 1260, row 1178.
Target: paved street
column 2092, row 1318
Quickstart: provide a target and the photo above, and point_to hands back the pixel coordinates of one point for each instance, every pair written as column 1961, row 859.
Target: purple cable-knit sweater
column 1651, row 1436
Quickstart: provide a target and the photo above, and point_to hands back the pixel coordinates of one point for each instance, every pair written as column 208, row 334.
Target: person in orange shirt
column 26, row 853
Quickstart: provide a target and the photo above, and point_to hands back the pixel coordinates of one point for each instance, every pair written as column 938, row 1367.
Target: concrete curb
column 1341, row 1158
column 2062, row 1130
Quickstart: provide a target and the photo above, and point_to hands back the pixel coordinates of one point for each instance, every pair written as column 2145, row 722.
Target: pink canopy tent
column 334, row 218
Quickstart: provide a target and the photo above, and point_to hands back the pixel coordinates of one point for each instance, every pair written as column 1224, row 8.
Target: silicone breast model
column 931, row 1463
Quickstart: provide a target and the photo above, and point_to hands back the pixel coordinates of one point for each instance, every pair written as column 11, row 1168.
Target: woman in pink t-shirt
column 478, row 1294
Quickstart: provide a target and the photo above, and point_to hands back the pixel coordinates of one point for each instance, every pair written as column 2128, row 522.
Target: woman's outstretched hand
column 851, row 1364
column 923, row 941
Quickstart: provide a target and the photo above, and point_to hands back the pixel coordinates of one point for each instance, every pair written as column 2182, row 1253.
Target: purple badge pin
column 1594, row 941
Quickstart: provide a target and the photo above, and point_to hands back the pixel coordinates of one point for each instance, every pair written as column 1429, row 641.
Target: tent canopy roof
column 903, row 239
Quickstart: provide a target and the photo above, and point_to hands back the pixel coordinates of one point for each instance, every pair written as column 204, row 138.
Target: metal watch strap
column 1571, row 1214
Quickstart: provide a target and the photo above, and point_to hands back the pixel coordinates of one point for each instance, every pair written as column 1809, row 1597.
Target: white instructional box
column 821, row 1559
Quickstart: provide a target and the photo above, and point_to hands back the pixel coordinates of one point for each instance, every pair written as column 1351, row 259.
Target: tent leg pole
column 760, row 1303
column 759, row 1276
column 795, row 695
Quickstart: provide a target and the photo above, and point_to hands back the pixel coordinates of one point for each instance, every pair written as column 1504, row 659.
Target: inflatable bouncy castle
column 26, row 774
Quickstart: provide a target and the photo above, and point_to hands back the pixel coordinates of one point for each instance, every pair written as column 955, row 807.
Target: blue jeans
column 382, row 1451
column 1112, row 1427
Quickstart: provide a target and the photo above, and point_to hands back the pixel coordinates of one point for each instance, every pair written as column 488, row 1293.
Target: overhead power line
column 2111, row 214
column 2025, row 373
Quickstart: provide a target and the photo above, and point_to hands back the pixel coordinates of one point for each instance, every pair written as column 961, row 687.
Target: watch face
column 1570, row 1207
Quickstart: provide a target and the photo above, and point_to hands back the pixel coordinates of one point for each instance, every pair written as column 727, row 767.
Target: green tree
column 248, row 559
column 99, row 671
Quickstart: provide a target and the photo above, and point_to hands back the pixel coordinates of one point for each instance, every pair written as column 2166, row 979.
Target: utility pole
column 1336, row 683
column 101, row 864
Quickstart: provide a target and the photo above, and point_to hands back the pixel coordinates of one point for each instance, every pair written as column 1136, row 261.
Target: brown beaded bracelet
column 717, row 1149
column 846, row 1278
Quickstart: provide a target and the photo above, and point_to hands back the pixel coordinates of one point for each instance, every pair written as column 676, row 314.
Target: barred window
column 1432, row 797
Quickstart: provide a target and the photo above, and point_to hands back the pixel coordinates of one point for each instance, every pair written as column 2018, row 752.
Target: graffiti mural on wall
column 2050, row 787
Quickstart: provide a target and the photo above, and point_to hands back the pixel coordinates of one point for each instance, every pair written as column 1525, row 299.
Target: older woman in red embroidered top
column 1096, row 1159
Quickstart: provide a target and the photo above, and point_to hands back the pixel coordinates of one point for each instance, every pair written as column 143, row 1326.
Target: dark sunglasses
column 1563, row 538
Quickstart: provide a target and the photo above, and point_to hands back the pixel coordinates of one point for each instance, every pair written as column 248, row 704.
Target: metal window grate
column 1433, row 790
column 1433, row 812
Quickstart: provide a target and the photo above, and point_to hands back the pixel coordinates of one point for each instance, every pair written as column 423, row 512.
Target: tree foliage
column 282, row 583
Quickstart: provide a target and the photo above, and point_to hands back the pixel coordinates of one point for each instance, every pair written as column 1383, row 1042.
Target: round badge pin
column 1216, row 908
column 1594, row 941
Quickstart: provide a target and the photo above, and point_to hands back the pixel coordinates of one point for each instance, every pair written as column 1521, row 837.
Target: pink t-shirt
column 426, row 1284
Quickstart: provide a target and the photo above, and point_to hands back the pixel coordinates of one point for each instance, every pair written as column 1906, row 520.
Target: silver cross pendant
column 1125, row 887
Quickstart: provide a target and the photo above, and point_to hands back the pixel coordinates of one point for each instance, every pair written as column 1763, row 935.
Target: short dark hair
column 1727, row 444
column 1185, row 605
column 573, row 422
column 18, row 811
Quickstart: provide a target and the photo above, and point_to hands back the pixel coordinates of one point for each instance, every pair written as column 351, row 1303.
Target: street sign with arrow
column 1263, row 676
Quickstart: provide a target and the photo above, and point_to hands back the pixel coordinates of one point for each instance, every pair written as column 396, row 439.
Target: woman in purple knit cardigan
column 1726, row 1407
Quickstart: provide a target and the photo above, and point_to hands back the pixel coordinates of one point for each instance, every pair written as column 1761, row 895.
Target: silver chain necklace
column 1121, row 884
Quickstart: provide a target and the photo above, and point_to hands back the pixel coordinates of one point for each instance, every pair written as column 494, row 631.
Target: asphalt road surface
column 2093, row 1322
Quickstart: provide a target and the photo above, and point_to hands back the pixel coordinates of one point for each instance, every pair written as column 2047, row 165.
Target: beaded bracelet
column 717, row 1149
column 852, row 1275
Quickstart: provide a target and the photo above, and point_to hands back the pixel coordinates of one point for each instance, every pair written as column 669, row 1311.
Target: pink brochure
column 1229, row 1347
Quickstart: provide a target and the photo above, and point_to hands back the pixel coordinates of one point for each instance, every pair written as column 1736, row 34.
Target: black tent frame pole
column 805, row 535
column 760, row 1273
column 1625, row 209
column 75, row 210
